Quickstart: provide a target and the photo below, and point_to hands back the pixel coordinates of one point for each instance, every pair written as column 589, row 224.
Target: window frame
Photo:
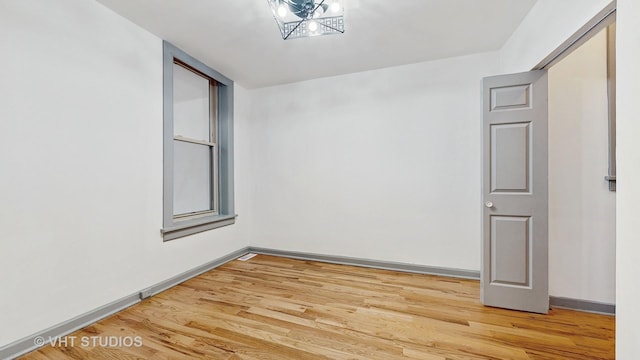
column 174, row 227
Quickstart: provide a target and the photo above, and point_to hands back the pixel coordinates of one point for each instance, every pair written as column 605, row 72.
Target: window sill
column 188, row 227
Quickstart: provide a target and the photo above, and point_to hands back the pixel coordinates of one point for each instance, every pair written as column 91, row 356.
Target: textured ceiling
column 240, row 39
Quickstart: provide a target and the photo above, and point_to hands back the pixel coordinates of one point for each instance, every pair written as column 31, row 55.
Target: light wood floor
column 276, row 308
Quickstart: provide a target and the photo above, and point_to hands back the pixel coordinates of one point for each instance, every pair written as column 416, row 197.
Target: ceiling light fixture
column 304, row 18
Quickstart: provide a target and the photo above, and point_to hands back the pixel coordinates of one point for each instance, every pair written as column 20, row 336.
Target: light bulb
column 282, row 11
column 313, row 26
column 335, row 6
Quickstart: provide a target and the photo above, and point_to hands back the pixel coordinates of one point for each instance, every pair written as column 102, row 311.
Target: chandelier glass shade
column 304, row 18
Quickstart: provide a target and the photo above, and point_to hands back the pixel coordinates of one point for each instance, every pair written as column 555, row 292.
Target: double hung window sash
column 194, row 144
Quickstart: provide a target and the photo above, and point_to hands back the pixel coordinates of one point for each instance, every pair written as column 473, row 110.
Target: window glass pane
column 190, row 104
column 191, row 177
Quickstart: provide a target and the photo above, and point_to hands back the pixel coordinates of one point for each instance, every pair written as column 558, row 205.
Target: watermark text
column 90, row 341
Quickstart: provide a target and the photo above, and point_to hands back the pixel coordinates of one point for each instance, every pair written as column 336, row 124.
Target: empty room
column 319, row 179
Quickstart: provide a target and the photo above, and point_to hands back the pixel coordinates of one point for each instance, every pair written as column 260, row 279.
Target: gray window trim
column 173, row 229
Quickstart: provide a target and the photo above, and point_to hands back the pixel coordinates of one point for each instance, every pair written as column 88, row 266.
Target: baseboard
column 582, row 305
column 376, row 264
column 169, row 283
column 28, row 344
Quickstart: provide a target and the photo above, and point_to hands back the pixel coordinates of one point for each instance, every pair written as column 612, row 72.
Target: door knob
column 488, row 204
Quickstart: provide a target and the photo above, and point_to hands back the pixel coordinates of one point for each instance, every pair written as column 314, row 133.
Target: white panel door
column 514, row 189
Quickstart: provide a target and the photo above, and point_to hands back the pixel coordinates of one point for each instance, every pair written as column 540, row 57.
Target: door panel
column 515, row 215
column 510, row 97
column 510, row 250
column 510, row 157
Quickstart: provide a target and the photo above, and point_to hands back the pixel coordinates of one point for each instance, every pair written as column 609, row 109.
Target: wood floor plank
column 279, row 308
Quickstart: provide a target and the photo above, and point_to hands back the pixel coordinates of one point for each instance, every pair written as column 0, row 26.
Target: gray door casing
column 514, row 189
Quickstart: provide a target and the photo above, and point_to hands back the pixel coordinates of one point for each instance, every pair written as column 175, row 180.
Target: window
column 198, row 146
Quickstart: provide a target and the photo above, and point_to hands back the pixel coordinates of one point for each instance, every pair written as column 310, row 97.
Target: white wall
column 353, row 165
column 581, row 207
column 380, row 165
column 81, row 165
column 628, row 216
column 547, row 26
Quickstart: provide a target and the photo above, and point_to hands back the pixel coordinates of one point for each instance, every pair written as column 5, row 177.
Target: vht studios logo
column 90, row 341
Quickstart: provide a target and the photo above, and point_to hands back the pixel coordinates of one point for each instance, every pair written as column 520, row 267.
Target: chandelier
column 304, row 18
